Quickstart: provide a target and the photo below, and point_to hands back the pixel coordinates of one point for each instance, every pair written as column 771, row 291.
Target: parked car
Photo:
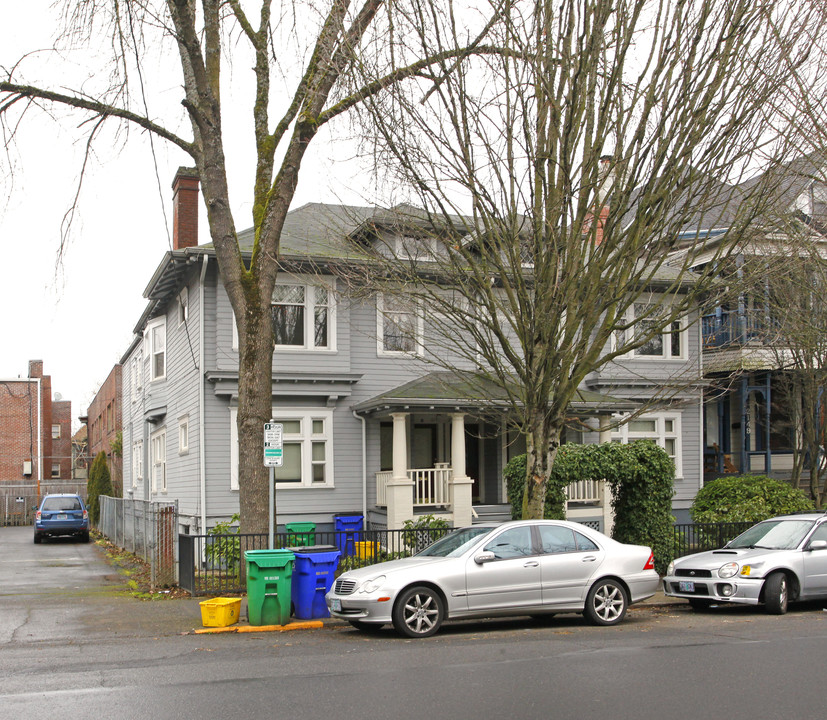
column 775, row 562
column 524, row 567
column 61, row 515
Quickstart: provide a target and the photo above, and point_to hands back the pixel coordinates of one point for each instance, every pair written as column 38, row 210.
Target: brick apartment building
column 103, row 422
column 35, row 439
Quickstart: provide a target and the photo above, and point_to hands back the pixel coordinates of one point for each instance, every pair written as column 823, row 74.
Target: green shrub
column 746, row 498
column 423, row 531
column 99, row 483
column 641, row 476
column 223, row 548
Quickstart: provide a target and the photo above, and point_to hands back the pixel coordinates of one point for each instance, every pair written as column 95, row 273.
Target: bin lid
column 354, row 514
column 269, row 558
column 313, row 549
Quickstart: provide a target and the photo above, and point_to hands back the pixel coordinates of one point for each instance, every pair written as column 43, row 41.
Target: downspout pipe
column 364, row 468
column 202, row 464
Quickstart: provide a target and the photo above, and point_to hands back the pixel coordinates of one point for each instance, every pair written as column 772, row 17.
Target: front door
column 423, row 446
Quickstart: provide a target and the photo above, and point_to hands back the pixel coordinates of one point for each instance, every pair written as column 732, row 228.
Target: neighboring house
column 104, row 423
column 750, row 421
column 369, row 427
column 35, row 440
column 80, row 452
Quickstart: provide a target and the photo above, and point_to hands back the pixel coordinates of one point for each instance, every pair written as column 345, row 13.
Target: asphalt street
column 73, row 642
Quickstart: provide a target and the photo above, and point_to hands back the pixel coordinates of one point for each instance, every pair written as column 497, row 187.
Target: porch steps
column 491, row 513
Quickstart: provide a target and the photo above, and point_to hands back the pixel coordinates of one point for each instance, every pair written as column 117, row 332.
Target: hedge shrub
column 747, row 498
column 99, row 483
column 641, row 476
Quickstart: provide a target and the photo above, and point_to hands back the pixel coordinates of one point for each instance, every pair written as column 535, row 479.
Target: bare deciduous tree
column 324, row 41
column 558, row 178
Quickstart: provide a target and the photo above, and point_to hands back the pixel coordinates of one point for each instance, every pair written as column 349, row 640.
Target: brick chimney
column 185, row 208
column 602, row 199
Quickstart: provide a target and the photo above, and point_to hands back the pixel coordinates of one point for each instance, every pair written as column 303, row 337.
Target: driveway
column 62, row 590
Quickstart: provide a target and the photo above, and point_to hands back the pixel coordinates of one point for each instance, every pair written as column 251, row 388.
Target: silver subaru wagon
column 775, row 562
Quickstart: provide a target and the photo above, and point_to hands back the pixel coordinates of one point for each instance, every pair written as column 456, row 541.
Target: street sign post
column 273, row 458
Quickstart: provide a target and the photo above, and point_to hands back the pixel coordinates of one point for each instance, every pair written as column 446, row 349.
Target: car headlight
column 670, row 568
column 372, row 585
column 728, row 570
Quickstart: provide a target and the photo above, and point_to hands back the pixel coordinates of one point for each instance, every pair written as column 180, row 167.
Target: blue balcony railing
column 731, row 328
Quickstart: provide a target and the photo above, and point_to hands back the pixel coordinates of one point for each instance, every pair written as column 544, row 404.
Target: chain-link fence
column 147, row 529
column 19, row 501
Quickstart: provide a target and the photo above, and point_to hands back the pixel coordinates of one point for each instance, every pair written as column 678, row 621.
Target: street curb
column 309, row 625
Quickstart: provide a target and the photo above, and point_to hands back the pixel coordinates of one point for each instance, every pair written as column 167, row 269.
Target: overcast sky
column 79, row 316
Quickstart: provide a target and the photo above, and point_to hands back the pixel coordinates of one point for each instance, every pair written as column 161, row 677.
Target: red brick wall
column 105, row 423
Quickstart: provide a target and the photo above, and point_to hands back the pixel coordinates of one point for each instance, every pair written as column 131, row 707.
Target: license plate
column 686, row 586
column 336, row 605
column 62, row 516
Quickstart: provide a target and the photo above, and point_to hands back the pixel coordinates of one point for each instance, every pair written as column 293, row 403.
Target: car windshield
column 774, row 535
column 456, row 543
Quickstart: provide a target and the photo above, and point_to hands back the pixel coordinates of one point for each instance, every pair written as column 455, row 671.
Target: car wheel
column 85, row 537
column 606, row 603
column 366, row 627
column 418, row 613
column 696, row 604
column 776, row 594
column 38, row 539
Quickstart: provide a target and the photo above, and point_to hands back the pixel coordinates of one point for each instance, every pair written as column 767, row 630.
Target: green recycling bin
column 301, row 534
column 269, row 579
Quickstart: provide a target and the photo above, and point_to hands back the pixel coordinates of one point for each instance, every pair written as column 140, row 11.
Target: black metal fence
column 691, row 537
column 212, row 564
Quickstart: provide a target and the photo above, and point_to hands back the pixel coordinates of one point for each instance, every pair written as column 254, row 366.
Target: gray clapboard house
column 369, row 426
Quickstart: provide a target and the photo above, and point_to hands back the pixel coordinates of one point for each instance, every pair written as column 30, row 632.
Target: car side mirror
column 484, row 557
column 817, row 545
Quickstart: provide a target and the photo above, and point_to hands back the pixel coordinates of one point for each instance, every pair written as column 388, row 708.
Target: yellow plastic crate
column 220, row 612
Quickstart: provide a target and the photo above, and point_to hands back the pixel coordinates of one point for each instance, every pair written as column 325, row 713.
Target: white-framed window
column 669, row 344
column 663, row 428
column 55, row 432
column 137, row 462
column 158, row 450
column 137, row 374
column 56, row 470
column 408, row 247
column 307, row 452
column 399, row 326
column 183, row 306
column 303, row 316
column 156, row 336
column 184, row 435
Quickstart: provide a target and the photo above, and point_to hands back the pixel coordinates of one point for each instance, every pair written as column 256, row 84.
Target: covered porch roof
column 446, row 391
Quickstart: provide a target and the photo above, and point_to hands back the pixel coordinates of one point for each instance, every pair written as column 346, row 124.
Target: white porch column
column 606, row 494
column 400, row 487
column 461, row 484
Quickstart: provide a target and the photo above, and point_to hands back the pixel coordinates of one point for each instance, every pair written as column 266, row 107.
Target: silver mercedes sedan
column 775, row 562
column 524, row 567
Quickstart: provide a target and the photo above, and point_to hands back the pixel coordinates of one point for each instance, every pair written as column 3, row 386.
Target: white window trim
column 148, row 334
column 307, row 415
column 309, row 318
column 137, row 462
column 158, row 469
column 184, row 435
column 624, row 435
column 419, row 350
column 666, row 355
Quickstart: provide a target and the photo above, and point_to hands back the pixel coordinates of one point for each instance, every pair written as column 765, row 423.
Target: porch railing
column 585, row 491
column 430, row 486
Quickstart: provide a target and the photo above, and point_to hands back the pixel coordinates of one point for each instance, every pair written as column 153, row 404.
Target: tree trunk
column 255, row 393
column 542, row 441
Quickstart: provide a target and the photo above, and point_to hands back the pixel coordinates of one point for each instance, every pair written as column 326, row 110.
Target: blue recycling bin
column 314, row 568
column 348, row 532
